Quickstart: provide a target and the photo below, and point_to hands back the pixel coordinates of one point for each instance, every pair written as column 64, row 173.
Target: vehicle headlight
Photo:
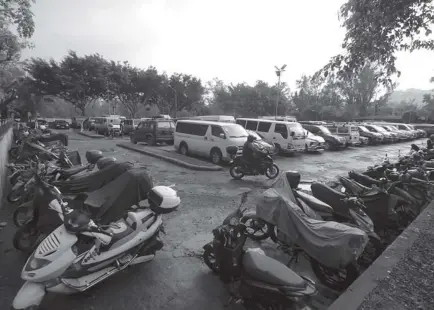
column 36, row 263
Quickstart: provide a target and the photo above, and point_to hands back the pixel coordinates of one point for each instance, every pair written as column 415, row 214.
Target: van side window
column 191, row 129
column 140, row 125
column 251, row 125
column 216, row 131
column 343, row 129
column 264, row 126
column 241, row 122
column 281, row 128
column 313, row 129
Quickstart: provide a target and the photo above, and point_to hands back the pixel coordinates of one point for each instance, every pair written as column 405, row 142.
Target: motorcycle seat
column 119, row 231
column 266, row 269
column 363, row 179
column 314, row 203
column 67, row 173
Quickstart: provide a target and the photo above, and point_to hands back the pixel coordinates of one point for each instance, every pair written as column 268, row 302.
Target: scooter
column 59, row 265
column 253, row 279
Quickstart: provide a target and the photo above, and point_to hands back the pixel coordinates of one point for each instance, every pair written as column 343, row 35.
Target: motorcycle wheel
column 210, row 260
column 236, row 172
column 22, row 214
column 272, row 172
column 14, row 152
column 258, row 225
column 372, row 251
column 14, row 196
column 28, row 237
column 336, row 279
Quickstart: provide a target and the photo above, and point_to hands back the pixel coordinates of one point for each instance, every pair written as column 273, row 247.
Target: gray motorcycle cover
column 333, row 244
column 110, row 202
column 92, row 181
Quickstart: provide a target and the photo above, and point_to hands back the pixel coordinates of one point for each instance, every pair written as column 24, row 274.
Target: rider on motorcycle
column 249, row 152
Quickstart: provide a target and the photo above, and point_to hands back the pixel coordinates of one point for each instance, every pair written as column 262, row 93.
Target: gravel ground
column 177, row 279
column 410, row 284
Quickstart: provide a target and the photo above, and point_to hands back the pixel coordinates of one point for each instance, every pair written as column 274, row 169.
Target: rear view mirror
column 292, row 134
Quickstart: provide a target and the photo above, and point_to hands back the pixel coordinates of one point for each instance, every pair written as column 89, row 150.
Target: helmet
column 431, row 136
column 251, row 138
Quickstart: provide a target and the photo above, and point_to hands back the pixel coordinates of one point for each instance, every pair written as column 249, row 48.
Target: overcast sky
column 234, row 40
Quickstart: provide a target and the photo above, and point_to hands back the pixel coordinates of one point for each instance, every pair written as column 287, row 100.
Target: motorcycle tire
column 34, row 234
column 234, row 175
column 14, row 153
column 259, row 222
column 323, row 274
column 272, row 176
column 22, row 214
column 371, row 252
column 209, row 259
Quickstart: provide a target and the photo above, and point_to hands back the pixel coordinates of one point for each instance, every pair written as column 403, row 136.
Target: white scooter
column 57, row 264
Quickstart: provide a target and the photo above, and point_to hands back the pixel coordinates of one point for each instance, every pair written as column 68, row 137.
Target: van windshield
column 235, row 131
column 297, row 128
column 164, row 125
column 324, row 130
column 115, row 121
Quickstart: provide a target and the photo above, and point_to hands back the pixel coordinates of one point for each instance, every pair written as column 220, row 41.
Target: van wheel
column 216, row 156
column 183, row 149
column 278, row 149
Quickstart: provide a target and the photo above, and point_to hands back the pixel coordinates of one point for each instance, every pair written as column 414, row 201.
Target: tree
column 376, row 30
column 78, row 80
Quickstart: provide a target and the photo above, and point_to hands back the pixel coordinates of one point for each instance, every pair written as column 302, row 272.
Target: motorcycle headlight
column 36, row 263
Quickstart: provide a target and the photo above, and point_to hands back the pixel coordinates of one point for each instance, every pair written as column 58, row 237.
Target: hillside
column 406, row 95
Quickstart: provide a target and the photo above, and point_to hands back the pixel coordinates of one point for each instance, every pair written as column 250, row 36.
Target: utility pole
column 279, row 72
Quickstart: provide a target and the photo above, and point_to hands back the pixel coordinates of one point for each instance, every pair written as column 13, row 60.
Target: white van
column 288, row 137
column 209, row 139
column 348, row 131
column 215, row 118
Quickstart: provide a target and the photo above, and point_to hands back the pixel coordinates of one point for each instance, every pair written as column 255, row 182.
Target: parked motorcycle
column 253, row 279
column 240, row 167
column 59, row 265
column 331, row 247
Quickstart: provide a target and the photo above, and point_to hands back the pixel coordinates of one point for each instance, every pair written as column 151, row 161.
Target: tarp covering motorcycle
column 63, row 138
column 92, row 181
column 110, row 202
column 333, row 244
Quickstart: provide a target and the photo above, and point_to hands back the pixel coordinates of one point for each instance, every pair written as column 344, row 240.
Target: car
column 387, row 136
column 314, row 143
column 400, row 134
column 332, row 142
column 374, row 137
column 364, row 141
column 61, row 124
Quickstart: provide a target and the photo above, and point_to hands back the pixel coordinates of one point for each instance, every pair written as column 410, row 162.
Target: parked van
column 216, row 118
column 209, row 139
column 288, row 137
column 105, row 124
column 153, row 131
column 130, row 125
column 348, row 131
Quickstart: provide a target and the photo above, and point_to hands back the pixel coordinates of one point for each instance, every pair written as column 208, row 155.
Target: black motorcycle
column 240, row 167
column 252, row 278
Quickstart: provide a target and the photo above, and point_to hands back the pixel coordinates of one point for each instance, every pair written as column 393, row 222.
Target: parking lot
column 177, row 278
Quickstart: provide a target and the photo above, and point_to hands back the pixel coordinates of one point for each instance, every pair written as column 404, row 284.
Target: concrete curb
column 89, row 135
column 355, row 295
column 171, row 160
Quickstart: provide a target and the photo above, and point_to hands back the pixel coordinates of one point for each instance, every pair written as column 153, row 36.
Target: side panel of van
column 193, row 135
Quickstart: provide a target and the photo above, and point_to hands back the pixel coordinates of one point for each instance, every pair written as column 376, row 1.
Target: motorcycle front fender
column 30, row 294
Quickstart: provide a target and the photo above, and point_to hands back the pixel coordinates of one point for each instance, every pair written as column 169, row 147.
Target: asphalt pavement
column 177, row 278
